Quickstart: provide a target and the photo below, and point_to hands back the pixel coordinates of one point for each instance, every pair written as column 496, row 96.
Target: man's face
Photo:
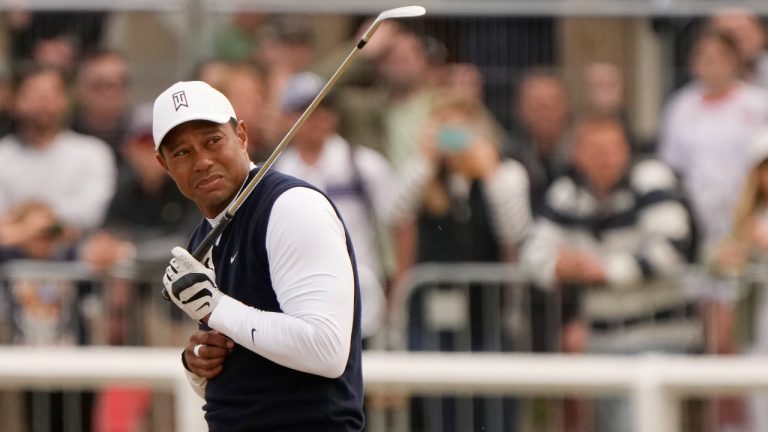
column 544, row 108
column 208, row 161
column 713, row 63
column 41, row 102
column 318, row 127
column 404, row 66
column 102, row 86
column 601, row 154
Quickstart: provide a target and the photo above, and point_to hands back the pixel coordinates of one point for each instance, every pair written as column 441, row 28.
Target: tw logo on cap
column 179, row 100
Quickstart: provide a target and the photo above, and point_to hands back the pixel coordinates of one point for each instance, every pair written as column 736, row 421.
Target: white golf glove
column 191, row 285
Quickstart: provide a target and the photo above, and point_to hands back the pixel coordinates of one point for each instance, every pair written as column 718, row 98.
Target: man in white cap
column 277, row 299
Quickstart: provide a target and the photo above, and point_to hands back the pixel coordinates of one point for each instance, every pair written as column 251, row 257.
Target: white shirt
column 334, row 174
column 75, row 176
column 314, row 284
column 707, row 143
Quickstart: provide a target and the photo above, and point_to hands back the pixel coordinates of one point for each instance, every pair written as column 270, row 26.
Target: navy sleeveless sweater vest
column 253, row 393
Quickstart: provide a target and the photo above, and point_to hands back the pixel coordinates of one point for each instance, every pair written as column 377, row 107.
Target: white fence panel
column 656, row 383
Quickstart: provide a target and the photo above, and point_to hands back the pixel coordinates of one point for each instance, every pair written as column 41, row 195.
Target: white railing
column 640, row 8
column 497, row 7
column 108, row 5
column 656, row 383
column 23, row 368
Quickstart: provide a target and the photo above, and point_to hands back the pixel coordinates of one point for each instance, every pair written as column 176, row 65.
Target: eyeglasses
column 104, row 84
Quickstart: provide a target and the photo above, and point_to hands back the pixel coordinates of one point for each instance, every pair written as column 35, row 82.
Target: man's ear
column 242, row 135
column 161, row 160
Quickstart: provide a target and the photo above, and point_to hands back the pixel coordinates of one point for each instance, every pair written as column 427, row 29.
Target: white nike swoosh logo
column 231, row 260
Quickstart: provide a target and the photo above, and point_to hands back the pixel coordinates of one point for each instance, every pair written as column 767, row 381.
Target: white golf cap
column 187, row 101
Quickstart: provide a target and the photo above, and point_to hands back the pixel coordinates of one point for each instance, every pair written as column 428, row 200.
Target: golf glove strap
column 192, row 286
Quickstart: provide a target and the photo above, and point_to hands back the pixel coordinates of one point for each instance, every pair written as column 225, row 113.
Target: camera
column 452, row 139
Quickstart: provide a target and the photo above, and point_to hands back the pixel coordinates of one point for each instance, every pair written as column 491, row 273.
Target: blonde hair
column 749, row 201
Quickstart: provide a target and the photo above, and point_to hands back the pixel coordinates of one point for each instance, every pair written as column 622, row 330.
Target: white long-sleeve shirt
column 313, row 282
column 75, row 176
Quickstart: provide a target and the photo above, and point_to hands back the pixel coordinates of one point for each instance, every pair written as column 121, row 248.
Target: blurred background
column 552, row 179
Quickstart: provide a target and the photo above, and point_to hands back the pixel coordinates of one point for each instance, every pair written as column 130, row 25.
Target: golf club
column 201, row 250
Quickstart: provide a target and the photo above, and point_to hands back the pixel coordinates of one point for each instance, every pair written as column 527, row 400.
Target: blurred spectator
column 361, row 72
column 408, row 71
column 238, row 40
column 358, row 180
column 213, row 72
column 101, row 98
column 59, row 52
column 605, row 96
column 748, row 244
column 389, row 116
column 467, row 187
column 613, row 232
column 748, row 239
column 244, row 86
column 72, row 174
column 707, row 126
column 464, row 81
column 604, row 85
column 541, row 138
column 287, row 48
column 54, row 38
column 68, row 180
column 749, row 34
column 287, row 45
column 471, row 206
column 605, row 89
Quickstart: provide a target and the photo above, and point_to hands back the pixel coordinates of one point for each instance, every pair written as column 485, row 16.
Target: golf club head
column 402, row 12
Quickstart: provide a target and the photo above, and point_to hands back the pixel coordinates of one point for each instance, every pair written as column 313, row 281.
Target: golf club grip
column 206, row 244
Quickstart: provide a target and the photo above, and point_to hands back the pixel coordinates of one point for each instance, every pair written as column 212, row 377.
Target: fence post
column 655, row 408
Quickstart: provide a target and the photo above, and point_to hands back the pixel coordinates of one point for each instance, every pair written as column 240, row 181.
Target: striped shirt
column 641, row 234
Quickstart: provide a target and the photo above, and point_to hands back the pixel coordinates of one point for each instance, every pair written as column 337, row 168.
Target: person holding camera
column 474, row 205
column 469, row 205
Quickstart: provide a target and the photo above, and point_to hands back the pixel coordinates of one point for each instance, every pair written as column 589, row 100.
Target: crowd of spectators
column 422, row 172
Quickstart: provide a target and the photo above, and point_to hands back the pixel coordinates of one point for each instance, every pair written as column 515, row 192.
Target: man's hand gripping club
column 192, row 285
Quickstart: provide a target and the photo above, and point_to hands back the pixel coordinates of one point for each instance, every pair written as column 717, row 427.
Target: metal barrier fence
column 472, row 307
column 64, row 304
column 450, row 307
